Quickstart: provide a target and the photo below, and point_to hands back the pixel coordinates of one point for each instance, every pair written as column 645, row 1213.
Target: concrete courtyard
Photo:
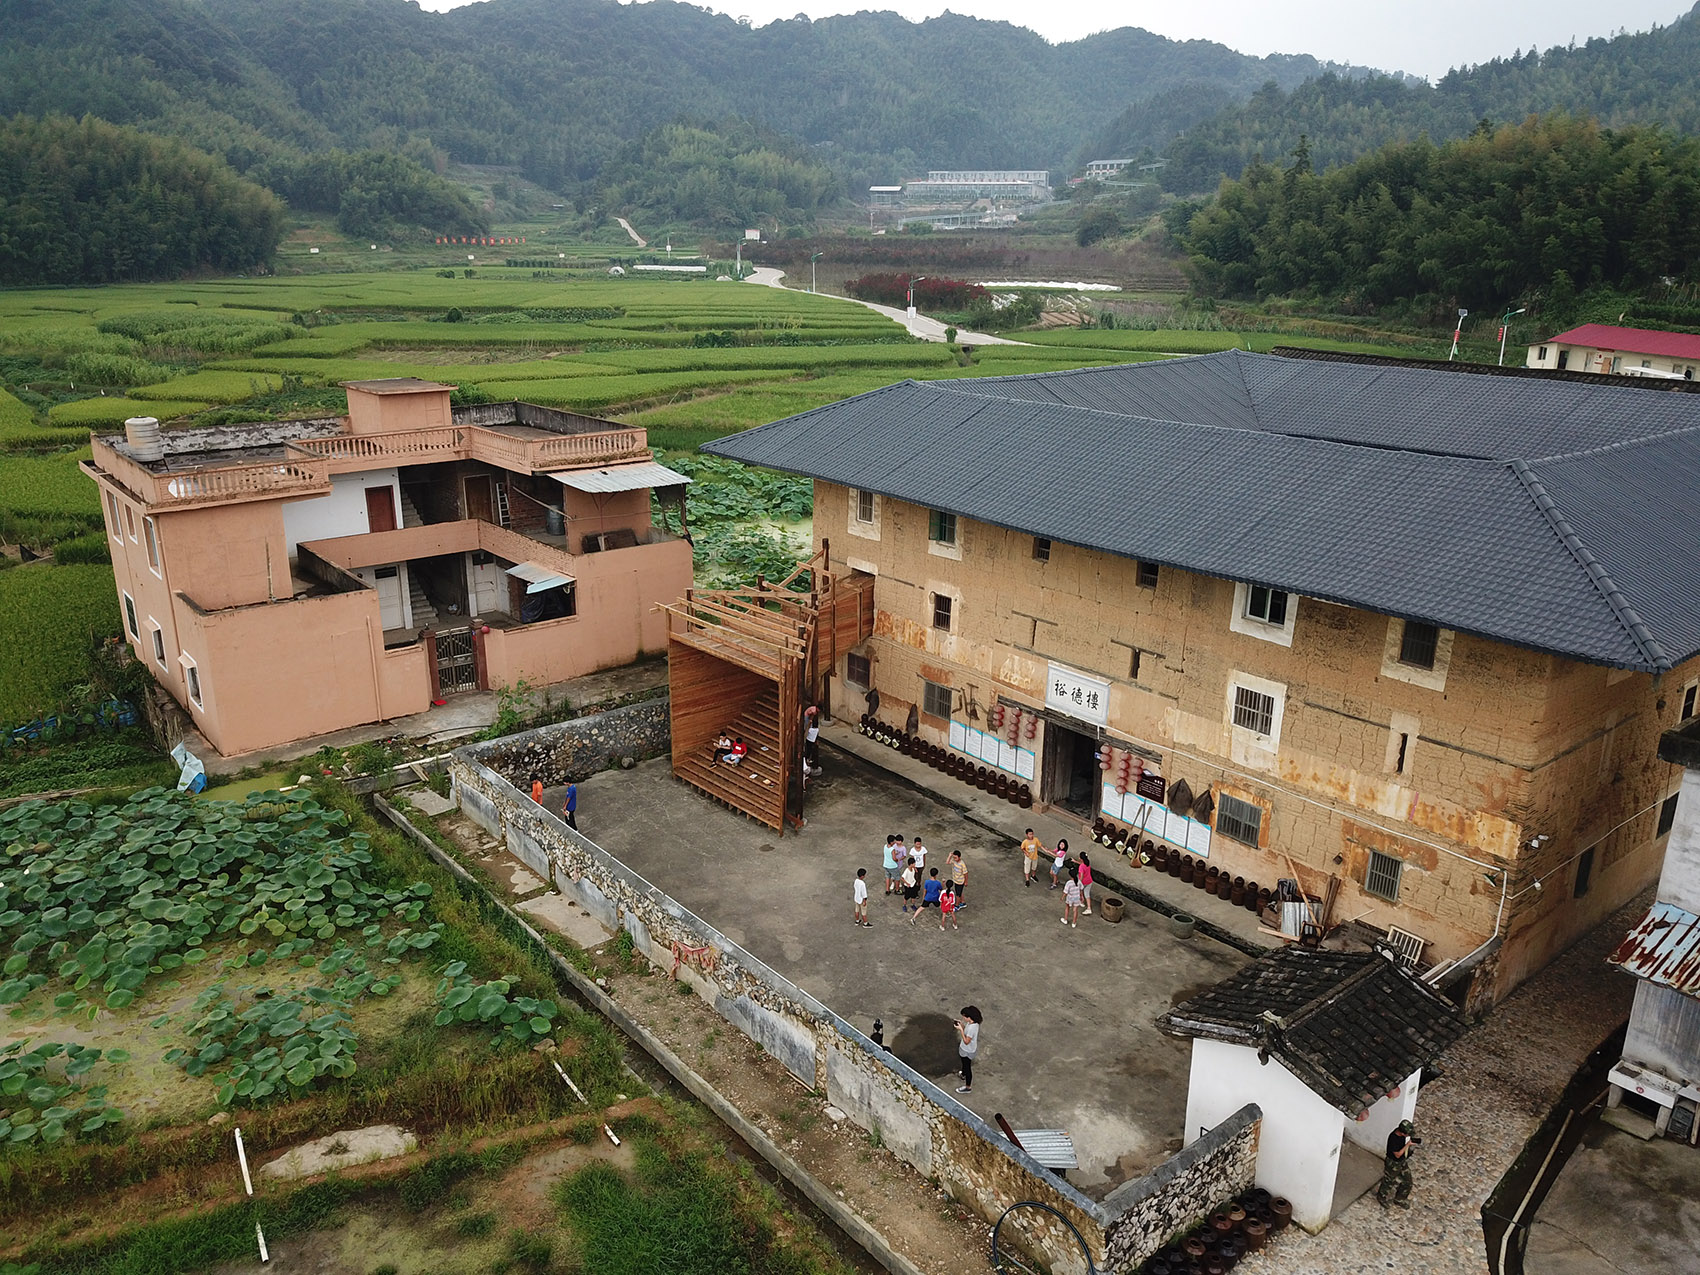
column 1068, row 1040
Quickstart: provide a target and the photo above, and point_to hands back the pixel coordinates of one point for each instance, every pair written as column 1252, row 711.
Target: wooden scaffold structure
column 749, row 662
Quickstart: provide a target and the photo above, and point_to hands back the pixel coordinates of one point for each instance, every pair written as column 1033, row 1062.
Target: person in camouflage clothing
column 1396, row 1170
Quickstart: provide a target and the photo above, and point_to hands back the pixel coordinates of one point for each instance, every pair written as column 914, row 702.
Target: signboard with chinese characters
column 1077, row 694
column 1151, row 786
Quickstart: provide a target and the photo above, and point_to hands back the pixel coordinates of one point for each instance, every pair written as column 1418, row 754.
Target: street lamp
column 1456, row 333
column 812, row 261
column 917, row 279
column 1504, row 327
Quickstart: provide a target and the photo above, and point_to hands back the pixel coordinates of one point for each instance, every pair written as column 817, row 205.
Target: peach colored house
column 289, row 579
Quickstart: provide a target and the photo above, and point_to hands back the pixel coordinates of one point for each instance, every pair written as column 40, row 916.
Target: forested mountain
column 1652, row 77
column 90, row 202
column 560, row 87
column 1524, row 214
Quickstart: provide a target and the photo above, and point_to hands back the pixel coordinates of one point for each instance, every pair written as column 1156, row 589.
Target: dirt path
column 916, row 1218
column 636, row 238
column 927, row 329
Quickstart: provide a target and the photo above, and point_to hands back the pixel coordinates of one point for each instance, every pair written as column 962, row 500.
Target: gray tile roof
column 1350, row 1025
column 1561, row 517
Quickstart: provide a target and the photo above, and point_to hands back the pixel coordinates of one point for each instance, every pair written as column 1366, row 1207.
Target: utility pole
column 812, row 261
column 1504, row 327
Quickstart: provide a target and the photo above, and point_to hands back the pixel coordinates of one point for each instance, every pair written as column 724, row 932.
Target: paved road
column 627, row 226
column 926, row 328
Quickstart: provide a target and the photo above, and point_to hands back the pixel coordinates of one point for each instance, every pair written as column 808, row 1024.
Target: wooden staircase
column 755, row 786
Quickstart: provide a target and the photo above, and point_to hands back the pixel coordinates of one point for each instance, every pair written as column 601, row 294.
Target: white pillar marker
column 570, row 1084
column 612, row 1136
column 248, row 1186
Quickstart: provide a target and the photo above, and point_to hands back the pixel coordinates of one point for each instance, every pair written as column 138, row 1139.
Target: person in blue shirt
column 929, row 896
column 570, row 807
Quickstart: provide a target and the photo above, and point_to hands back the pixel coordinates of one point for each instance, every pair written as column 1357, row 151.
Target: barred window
column 1417, row 645
column 1381, row 877
column 1254, row 710
column 935, row 699
column 942, row 603
column 1148, row 575
column 1041, row 549
column 1238, row 820
column 864, row 506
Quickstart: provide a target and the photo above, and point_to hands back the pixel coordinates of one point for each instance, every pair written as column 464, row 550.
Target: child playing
column 911, row 882
column 1071, row 902
column 896, row 855
column 918, row 852
column 958, row 877
column 947, row 909
column 930, row 899
column 1086, row 882
column 1030, row 847
column 859, row 892
column 1060, row 862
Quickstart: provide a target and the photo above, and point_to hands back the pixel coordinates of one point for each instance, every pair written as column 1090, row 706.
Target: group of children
column 1074, row 876
column 906, row 873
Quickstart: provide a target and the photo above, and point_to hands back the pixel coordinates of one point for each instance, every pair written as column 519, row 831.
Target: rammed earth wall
column 916, row 1119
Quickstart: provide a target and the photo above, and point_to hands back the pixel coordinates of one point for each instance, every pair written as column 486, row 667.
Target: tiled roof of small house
column 1350, row 1025
column 1555, row 515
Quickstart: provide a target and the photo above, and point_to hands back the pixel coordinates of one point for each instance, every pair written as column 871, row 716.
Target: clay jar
column 1255, row 1233
column 1174, row 864
column 1282, row 1208
column 1187, row 868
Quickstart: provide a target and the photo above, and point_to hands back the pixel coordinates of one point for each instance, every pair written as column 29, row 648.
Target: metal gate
column 457, row 661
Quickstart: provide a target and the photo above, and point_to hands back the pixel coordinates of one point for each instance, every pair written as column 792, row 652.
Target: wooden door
column 387, row 581
column 380, row 509
column 480, row 498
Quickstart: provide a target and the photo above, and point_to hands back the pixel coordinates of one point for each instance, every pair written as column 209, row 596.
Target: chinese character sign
column 1078, row 695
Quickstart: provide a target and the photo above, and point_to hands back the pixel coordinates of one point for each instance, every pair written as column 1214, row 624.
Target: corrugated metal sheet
column 538, row 578
column 1552, row 516
column 1664, row 948
column 620, row 477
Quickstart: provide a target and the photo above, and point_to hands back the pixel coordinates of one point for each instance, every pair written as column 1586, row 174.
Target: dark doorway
column 480, row 498
column 1072, row 779
column 380, row 509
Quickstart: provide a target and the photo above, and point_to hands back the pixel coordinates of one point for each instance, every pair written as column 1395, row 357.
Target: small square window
column 130, row 617
column 935, row 699
column 1381, row 877
column 1542, row 356
column 153, row 544
column 941, row 527
column 1238, row 820
column 1254, row 710
column 1266, row 604
column 114, row 518
column 130, row 522
column 1584, row 873
column 1133, row 666
column 1041, row 549
column 158, row 635
column 193, row 675
column 1418, row 643
column 1667, row 815
column 941, row 611
column 1688, row 701
column 864, row 506
column 1148, row 575
column 858, row 670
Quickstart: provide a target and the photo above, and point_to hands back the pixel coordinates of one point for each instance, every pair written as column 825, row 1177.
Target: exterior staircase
column 409, row 513
column 755, row 786
column 424, row 614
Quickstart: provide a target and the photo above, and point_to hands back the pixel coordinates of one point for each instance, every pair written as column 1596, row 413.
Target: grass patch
column 48, row 485
column 211, row 387
column 49, row 618
column 112, row 410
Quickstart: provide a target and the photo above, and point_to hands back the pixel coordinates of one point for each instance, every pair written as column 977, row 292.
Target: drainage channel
column 1509, row 1212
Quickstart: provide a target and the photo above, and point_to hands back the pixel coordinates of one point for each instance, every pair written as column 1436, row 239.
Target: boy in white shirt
column 859, row 892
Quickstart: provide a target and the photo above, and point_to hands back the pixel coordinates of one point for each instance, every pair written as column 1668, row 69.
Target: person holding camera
column 1396, row 1170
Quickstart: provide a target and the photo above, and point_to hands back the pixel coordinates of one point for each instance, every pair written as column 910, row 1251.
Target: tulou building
column 285, row 580
column 1408, row 635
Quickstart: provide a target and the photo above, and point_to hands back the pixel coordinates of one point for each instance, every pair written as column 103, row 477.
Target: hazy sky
column 1424, row 39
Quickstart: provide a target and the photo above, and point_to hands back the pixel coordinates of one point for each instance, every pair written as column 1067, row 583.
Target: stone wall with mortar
column 573, row 750
column 920, row 1122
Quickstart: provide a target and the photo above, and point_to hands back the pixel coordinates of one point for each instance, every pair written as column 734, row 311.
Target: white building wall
column 342, row 512
column 1380, row 1120
column 1679, row 881
column 1298, row 1148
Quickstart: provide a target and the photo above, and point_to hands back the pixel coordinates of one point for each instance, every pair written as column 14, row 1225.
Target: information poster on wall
column 1024, row 763
column 976, row 743
column 1006, row 756
column 958, row 736
column 986, row 747
column 1157, row 821
column 1112, row 802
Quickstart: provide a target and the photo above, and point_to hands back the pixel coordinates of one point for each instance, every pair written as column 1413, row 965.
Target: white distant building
column 884, row 196
column 1106, row 169
column 953, row 185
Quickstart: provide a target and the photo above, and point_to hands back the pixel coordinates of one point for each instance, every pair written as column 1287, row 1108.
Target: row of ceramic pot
column 1217, row 1244
column 1236, row 891
column 993, row 782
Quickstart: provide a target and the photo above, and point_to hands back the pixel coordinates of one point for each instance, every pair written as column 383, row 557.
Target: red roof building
column 1610, row 350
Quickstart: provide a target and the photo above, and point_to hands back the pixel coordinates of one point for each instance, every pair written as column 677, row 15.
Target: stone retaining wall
column 916, row 1119
column 570, row 751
